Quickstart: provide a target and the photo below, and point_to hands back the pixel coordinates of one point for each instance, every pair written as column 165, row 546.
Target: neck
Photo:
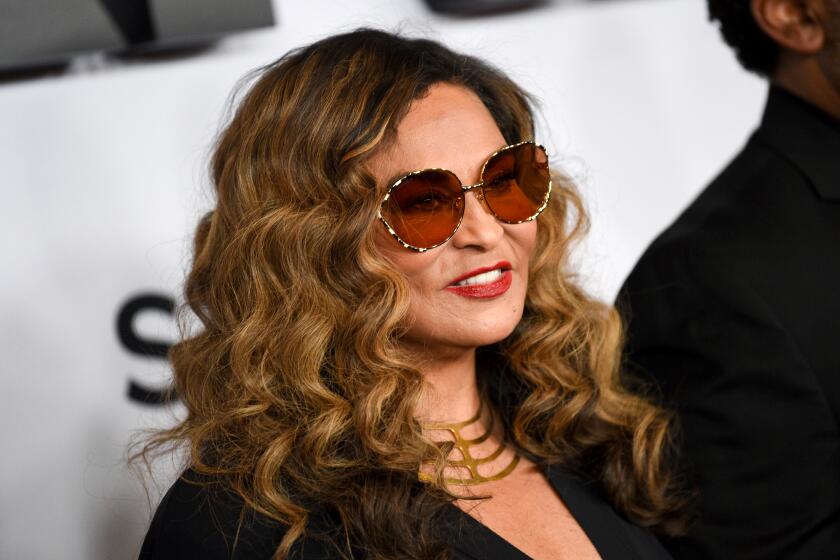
column 804, row 77
column 447, row 410
column 452, row 393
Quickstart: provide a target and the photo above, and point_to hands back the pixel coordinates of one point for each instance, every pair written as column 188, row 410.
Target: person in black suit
column 394, row 360
column 733, row 312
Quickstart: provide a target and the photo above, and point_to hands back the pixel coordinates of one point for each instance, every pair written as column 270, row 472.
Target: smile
column 483, row 278
column 482, row 283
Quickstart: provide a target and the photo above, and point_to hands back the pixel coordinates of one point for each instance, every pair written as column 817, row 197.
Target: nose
column 479, row 228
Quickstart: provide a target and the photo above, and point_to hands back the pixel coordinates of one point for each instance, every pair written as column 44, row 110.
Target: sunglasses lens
column 516, row 182
column 425, row 208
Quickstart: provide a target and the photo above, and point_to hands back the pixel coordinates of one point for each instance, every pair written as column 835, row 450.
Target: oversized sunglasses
column 423, row 209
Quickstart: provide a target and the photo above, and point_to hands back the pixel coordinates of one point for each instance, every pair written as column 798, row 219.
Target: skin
column 452, row 129
column 808, row 34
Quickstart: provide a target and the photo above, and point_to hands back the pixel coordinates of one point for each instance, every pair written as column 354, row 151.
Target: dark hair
column 298, row 396
column 755, row 50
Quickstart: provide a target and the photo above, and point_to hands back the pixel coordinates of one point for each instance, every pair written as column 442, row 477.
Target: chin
column 492, row 334
column 447, row 338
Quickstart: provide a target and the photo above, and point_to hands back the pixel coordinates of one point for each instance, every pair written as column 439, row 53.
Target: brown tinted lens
column 516, row 182
column 424, row 209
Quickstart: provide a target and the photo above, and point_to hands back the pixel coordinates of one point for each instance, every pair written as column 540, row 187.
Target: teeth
column 483, row 278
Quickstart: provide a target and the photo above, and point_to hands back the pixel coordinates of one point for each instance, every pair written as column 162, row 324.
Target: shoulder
column 759, row 200
column 751, row 216
column 199, row 519
column 761, row 210
column 196, row 518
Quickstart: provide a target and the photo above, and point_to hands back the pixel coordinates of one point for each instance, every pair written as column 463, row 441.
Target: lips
column 486, row 282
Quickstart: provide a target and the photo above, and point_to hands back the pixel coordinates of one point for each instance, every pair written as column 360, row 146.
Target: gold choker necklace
column 469, row 462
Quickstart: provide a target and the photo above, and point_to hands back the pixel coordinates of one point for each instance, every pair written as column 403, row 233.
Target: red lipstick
column 497, row 286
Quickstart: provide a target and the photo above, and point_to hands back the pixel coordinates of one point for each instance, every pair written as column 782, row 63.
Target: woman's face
column 451, row 128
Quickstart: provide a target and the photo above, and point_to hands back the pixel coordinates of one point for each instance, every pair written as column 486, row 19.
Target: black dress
column 192, row 522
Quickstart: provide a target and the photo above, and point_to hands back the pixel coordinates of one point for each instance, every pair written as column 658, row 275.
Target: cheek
column 524, row 239
column 523, row 242
column 414, row 266
column 532, row 236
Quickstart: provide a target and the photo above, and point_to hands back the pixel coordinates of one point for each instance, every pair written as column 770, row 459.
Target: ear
column 796, row 25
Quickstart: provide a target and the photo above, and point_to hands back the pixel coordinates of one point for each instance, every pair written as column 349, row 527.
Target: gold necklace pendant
column 463, row 445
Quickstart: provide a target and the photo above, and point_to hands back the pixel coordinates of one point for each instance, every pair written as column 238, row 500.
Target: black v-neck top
column 195, row 522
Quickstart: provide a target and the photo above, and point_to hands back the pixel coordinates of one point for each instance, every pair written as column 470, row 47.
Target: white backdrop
column 102, row 176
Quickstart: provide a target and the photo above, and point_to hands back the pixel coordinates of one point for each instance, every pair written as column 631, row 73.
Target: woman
column 395, row 360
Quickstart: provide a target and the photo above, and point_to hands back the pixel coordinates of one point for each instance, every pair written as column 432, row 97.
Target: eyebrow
column 403, row 172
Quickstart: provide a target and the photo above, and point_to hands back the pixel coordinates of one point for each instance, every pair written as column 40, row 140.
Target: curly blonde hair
column 297, row 393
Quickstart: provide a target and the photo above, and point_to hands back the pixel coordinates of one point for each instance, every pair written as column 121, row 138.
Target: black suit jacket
column 734, row 315
column 202, row 522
